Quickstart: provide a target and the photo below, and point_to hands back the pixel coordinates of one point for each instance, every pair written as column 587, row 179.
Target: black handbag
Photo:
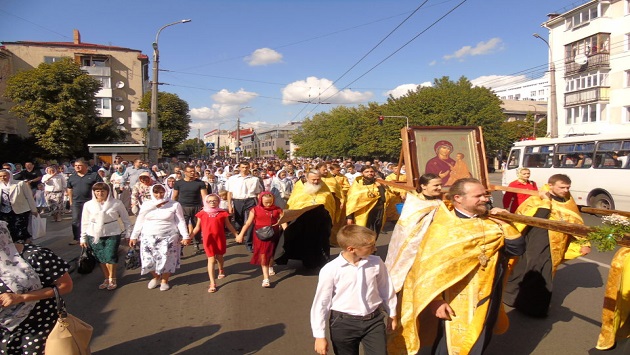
column 266, row 232
column 132, row 259
column 87, row 261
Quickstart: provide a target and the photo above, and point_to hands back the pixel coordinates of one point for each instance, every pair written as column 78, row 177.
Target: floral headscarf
column 19, row 276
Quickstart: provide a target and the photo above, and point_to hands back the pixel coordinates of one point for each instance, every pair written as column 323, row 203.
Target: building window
column 627, row 83
column 51, row 60
column 586, row 81
column 584, row 114
column 287, row 143
column 626, row 114
column 582, row 17
column 598, row 43
column 106, row 81
column 533, row 93
column 103, row 103
column 627, row 44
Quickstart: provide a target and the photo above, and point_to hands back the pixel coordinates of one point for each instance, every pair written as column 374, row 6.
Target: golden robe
column 300, row 199
column 394, row 196
column 361, row 199
column 448, row 263
column 559, row 243
column 616, row 312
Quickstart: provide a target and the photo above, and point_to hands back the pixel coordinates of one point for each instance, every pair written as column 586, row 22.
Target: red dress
column 512, row 200
column 262, row 218
column 213, row 232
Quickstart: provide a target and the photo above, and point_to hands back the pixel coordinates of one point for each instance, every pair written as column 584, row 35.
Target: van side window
column 514, row 159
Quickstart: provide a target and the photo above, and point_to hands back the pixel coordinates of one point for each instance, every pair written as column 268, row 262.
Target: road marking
column 594, row 262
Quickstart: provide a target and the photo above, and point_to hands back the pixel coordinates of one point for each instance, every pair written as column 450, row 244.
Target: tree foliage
column 57, row 100
column 192, row 147
column 173, row 119
column 355, row 131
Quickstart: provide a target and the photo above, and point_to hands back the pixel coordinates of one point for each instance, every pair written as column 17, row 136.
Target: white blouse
column 111, row 225
column 167, row 219
column 54, row 183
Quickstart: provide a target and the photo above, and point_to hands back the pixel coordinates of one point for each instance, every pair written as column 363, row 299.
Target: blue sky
column 272, row 54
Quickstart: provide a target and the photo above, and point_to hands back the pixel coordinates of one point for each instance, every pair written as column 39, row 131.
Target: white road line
column 594, row 262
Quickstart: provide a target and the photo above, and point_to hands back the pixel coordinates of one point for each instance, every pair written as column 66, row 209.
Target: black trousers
column 241, row 213
column 17, row 224
column 77, row 211
column 347, row 333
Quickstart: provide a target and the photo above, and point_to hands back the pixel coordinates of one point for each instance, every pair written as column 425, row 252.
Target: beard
column 311, row 188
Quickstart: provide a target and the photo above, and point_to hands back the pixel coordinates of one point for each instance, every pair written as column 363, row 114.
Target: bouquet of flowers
column 614, row 228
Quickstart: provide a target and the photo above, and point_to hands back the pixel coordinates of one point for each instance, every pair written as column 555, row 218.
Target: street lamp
column 553, row 109
column 153, row 128
column 218, row 150
column 238, row 133
column 405, row 117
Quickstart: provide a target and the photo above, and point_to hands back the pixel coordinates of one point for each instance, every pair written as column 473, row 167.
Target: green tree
column 192, row 147
column 57, row 101
column 173, row 119
column 281, row 153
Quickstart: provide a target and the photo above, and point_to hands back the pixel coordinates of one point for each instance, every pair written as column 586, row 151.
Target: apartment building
column 123, row 73
column 590, row 46
column 530, row 90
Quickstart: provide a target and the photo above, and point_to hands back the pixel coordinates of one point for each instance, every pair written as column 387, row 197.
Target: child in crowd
column 40, row 198
column 352, row 292
column 224, row 200
column 212, row 221
column 265, row 214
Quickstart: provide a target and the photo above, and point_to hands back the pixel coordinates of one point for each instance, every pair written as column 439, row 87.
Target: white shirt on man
column 243, row 187
column 354, row 289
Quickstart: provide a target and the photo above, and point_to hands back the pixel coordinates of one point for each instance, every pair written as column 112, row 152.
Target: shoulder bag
column 265, row 233
column 87, row 261
column 70, row 336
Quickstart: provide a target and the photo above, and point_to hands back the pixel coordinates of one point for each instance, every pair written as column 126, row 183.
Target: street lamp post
column 405, row 117
column 218, row 150
column 153, row 128
column 535, row 119
column 238, row 133
column 553, row 108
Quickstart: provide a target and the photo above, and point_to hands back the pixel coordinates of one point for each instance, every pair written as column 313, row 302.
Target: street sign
column 209, row 145
column 238, row 149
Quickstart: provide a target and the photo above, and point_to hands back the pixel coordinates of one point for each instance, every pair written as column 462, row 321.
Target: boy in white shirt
column 353, row 291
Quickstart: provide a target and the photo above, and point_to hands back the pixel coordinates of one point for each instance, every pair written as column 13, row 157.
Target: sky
column 273, row 62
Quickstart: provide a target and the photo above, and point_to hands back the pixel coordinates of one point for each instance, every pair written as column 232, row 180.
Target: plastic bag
column 38, row 226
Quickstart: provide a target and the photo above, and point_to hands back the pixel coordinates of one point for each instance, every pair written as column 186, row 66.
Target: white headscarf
column 19, row 276
column 101, row 214
column 152, row 204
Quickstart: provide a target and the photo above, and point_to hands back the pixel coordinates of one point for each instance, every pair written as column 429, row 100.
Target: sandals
column 221, row 274
column 212, row 288
column 112, row 285
column 266, row 283
column 271, row 271
column 104, row 285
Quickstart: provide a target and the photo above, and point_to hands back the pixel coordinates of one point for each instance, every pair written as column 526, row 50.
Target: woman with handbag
column 101, row 231
column 265, row 217
column 159, row 224
column 28, row 311
column 16, row 205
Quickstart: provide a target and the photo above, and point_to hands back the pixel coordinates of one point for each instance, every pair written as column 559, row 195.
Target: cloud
column 225, row 97
column 225, row 107
column 403, row 89
column 315, row 90
column 481, row 48
column 263, row 56
column 495, row 81
column 432, row 63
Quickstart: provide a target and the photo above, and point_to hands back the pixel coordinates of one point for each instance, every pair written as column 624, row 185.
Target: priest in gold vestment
column 530, row 283
column 307, row 238
column 366, row 200
column 450, row 297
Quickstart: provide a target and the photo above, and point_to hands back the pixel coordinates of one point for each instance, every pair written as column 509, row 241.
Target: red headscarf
column 260, row 203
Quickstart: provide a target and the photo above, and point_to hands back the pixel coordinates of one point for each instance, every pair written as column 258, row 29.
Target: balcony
column 595, row 61
column 98, row 71
column 586, row 96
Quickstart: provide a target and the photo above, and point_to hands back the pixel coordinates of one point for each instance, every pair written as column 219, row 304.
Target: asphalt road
column 244, row 318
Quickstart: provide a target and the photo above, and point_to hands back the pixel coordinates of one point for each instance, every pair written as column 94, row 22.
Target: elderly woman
column 54, row 188
column 28, row 311
column 16, row 205
column 281, row 188
column 141, row 191
column 159, row 225
column 101, row 231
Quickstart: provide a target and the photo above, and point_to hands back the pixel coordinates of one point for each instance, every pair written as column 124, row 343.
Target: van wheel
column 602, row 201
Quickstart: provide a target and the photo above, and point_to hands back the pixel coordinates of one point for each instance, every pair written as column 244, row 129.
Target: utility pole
column 238, row 133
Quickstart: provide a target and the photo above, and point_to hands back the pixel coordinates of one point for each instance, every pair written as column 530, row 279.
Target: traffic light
column 380, row 120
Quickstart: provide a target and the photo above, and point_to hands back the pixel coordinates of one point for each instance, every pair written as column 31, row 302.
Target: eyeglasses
column 211, row 201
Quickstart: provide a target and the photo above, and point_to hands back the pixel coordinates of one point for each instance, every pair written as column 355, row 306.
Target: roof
column 72, row 45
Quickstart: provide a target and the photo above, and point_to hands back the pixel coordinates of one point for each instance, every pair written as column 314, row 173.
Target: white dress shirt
column 243, row 187
column 354, row 289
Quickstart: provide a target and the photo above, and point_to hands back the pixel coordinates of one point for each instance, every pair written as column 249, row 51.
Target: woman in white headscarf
column 101, row 231
column 16, row 205
column 159, row 224
column 281, row 188
column 28, row 310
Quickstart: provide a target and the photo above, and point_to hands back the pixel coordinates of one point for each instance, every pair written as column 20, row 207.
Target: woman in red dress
column 266, row 213
column 212, row 222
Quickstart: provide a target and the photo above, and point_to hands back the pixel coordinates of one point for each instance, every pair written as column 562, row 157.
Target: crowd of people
column 440, row 286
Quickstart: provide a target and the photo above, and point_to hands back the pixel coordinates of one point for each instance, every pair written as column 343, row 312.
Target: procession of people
column 451, row 263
